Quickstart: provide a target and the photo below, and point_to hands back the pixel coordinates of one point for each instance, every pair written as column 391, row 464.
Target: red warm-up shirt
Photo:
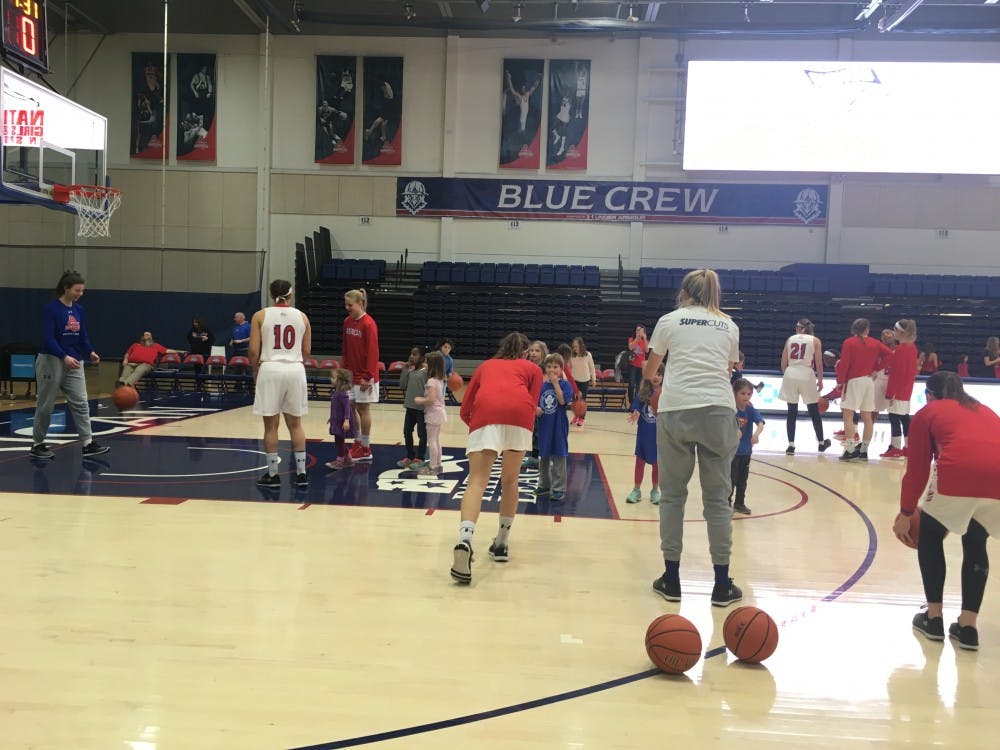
column 361, row 348
column 965, row 441
column 858, row 357
column 502, row 391
column 902, row 372
column 140, row 354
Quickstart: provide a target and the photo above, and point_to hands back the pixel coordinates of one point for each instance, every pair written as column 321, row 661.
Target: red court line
column 163, row 501
column 304, row 506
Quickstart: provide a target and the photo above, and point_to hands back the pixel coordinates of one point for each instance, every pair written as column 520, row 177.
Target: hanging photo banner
column 521, row 114
column 196, row 97
column 335, row 107
column 149, row 130
column 383, row 111
column 569, row 114
column 668, row 202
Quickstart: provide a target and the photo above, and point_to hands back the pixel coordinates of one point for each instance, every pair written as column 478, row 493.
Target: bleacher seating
column 345, row 269
column 456, row 273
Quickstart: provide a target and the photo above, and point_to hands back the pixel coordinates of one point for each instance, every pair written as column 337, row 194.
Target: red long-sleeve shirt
column 361, row 348
column 965, row 441
column 902, row 372
column 502, row 391
column 858, row 357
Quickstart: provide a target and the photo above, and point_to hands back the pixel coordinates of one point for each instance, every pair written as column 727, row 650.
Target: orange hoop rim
column 62, row 193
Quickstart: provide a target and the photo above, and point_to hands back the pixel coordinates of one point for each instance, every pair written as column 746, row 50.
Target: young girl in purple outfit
column 343, row 424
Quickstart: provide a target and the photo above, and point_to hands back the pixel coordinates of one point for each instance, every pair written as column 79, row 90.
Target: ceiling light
column 631, row 17
column 409, row 12
column 888, row 24
column 990, row 2
column 517, row 13
column 867, row 11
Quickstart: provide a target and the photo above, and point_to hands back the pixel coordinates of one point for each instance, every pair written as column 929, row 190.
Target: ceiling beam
column 444, row 8
column 250, row 13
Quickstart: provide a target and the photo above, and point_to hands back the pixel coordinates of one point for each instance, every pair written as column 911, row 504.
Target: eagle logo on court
column 808, row 205
column 415, row 197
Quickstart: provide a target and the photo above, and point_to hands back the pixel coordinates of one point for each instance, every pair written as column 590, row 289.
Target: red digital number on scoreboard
column 24, row 32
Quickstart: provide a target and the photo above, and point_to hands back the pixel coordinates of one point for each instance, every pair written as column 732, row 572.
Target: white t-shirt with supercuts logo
column 699, row 347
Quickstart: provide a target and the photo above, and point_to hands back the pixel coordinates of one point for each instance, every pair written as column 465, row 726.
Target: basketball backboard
column 46, row 139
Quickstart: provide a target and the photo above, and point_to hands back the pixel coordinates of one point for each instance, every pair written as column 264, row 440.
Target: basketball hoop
column 94, row 205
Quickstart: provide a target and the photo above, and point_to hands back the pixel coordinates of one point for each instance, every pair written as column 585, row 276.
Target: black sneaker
column 853, row 455
column 742, row 509
column 824, row 445
column 270, row 481
column 93, row 449
column 931, row 628
column 461, row 568
column 669, row 590
column 301, row 480
column 726, row 594
column 790, row 450
column 499, row 552
column 967, row 636
column 41, row 451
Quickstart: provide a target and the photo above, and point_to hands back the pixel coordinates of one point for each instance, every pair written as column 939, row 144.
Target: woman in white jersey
column 696, row 417
column 802, row 365
column 280, row 338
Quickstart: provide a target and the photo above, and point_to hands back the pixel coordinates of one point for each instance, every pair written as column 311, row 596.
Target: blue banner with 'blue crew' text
column 670, row 202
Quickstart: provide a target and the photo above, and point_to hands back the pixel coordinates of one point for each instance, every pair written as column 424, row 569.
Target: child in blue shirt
column 644, row 415
column 553, row 430
column 751, row 424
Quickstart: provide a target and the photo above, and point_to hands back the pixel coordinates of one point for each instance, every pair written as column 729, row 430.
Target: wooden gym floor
column 157, row 621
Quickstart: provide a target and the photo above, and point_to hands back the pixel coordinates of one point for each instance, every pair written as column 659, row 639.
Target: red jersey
column 361, row 348
column 502, row 391
column 858, row 357
column 902, row 372
column 140, row 354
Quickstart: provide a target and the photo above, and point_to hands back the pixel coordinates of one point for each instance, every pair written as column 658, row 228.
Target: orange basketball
column 750, row 634
column 125, row 397
column 579, row 407
column 673, row 643
column 455, row 382
column 824, row 405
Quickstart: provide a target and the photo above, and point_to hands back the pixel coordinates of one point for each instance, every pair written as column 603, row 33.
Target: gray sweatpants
column 552, row 473
column 712, row 434
column 52, row 376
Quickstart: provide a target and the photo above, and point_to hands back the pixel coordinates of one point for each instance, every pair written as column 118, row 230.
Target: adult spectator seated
column 239, row 342
column 140, row 359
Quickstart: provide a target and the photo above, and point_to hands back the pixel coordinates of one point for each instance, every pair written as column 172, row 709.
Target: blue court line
column 843, row 588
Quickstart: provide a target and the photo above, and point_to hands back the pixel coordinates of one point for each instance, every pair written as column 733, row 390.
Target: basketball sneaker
column 742, row 509
column 654, row 496
column 854, row 455
column 634, row 496
column 725, row 594
column 426, row 470
column 404, row 463
column 824, row 445
column 41, row 451
column 838, row 434
column 341, row 462
column 893, row 452
column 790, row 450
column 967, row 636
column 931, row 628
column 461, row 568
column 499, row 552
column 269, row 481
column 360, row 452
column 93, row 449
column 669, row 590
column 301, row 480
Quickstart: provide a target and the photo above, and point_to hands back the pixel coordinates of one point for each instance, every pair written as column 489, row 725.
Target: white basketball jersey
column 801, row 350
column 281, row 335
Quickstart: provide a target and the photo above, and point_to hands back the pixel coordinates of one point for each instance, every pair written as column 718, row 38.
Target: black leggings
column 899, row 424
column 415, row 418
column 975, row 562
column 634, row 381
column 793, row 414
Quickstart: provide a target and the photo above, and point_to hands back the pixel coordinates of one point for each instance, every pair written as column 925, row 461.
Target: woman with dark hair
column 499, row 408
column 200, row 339
column 59, row 366
column 858, row 357
column 953, row 475
column 985, row 365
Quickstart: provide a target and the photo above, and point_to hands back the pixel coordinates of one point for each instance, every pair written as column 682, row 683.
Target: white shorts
column 799, row 383
column 499, row 438
column 880, row 381
column 899, row 407
column 954, row 513
column 859, row 395
column 281, row 389
column 368, row 395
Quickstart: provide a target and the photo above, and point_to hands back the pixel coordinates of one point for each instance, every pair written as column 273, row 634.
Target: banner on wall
column 383, row 111
column 521, row 114
column 668, row 202
column 149, row 128
column 569, row 114
column 335, row 107
column 196, row 97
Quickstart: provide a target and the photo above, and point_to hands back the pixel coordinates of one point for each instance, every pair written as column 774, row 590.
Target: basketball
column 673, row 643
column 824, row 405
column 125, row 397
column 750, row 634
column 579, row 407
column 455, row 382
column 914, row 529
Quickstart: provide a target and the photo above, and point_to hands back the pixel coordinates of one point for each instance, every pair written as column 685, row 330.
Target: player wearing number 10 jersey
column 280, row 338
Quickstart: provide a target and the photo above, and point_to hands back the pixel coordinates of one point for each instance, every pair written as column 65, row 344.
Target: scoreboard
column 25, row 36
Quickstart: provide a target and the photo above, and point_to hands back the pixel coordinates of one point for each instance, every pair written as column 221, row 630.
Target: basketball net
column 94, row 206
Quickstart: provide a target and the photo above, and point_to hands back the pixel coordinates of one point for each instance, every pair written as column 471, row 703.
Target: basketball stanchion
column 94, row 206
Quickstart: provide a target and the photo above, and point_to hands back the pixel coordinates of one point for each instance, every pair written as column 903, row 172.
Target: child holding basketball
column 343, row 423
column 644, row 415
column 413, row 380
column 361, row 359
column 553, row 430
column 751, row 424
column 435, row 414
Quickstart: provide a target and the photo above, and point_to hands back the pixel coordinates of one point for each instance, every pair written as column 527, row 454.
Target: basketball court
column 326, row 618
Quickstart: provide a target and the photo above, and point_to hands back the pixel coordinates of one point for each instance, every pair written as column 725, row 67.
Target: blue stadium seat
column 503, row 274
column 576, row 276
column 531, row 274
column 757, row 283
column 562, row 275
column 897, row 286
column 355, row 269
column 546, row 274
column 963, row 289
column 881, row 286
column 993, row 288
column 979, row 288
column 804, row 286
column 592, row 276
column 427, row 271
column 472, row 273
column 946, row 287
column 488, row 273
column 930, row 287
column 789, row 284
column 374, row 269
column 821, row 286
column 913, row 286
column 772, row 283
column 458, row 272
column 741, row 282
column 517, row 274
column 443, row 272
column 647, row 277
